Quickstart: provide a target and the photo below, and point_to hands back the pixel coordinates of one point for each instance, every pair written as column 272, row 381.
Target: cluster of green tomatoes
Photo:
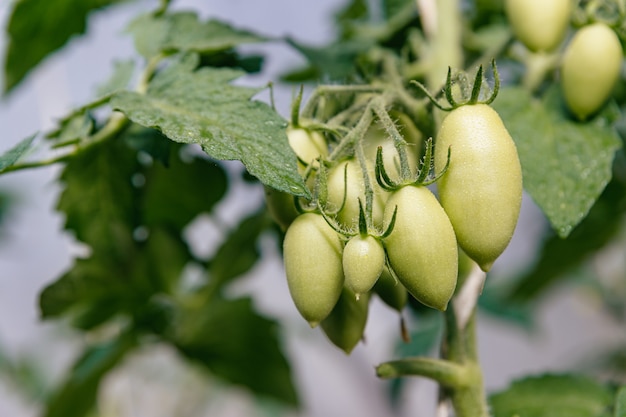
column 591, row 60
column 375, row 227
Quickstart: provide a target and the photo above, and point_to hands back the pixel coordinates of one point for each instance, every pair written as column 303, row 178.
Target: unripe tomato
column 422, row 249
column 590, row 68
column 539, row 24
column 391, row 291
column 281, row 207
column 312, row 256
column 377, row 136
column 482, row 189
column 307, row 144
column 344, row 326
column 363, row 262
column 348, row 216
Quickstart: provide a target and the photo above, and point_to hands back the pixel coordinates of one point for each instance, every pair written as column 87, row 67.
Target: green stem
column 538, row 65
column 116, row 124
column 398, row 140
column 447, row 373
column 461, row 347
column 445, row 41
column 38, row 164
column 459, row 372
column 323, row 90
column 354, row 135
column 470, row 400
column 369, row 191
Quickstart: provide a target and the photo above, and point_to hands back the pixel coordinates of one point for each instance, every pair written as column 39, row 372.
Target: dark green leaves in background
column 183, row 32
column 565, row 164
column 557, row 396
column 559, row 257
column 568, row 171
column 129, row 199
column 79, row 392
column 234, row 342
column 38, row 28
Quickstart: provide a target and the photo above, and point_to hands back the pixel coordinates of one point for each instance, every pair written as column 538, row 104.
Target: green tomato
column 363, row 262
column 391, row 291
column 377, row 136
column 590, row 68
column 422, row 248
column 482, row 189
column 281, row 207
column 348, row 216
column 539, row 24
column 312, row 256
column 344, row 326
column 307, row 144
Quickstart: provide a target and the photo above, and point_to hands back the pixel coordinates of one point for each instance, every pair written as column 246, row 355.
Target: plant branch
column 323, row 90
column 444, row 40
column 466, row 299
column 447, row 373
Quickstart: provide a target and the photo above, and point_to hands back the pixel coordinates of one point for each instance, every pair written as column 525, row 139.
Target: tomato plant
column 429, row 163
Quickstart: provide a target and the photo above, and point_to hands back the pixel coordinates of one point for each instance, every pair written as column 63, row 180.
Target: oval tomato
column 312, row 253
column 345, row 325
column 307, row 144
column 540, row 25
column 363, row 262
column 391, row 291
column 422, row 248
column 348, row 216
column 590, row 68
column 481, row 191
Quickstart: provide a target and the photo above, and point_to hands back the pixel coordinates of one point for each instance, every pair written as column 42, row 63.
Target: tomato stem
column 398, row 140
column 538, row 66
column 447, row 373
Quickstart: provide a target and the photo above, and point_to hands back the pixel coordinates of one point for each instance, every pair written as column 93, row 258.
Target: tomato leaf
column 195, row 186
column 183, row 32
column 493, row 301
column 78, row 393
column 10, row 157
column 150, row 141
column 220, row 334
column 99, row 287
column 565, row 164
column 99, row 200
column 240, row 250
column 37, row 28
column 203, row 107
column 553, row 396
column 122, row 73
column 559, row 257
column 334, row 61
column 128, row 228
column 76, row 126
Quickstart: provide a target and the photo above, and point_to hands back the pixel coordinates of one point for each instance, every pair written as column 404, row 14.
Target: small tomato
column 422, row 248
column 312, row 256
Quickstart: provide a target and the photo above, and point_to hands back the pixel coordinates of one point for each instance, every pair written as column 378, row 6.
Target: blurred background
column 571, row 324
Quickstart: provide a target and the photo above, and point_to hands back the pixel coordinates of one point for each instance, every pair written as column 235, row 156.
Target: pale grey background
column 34, row 251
